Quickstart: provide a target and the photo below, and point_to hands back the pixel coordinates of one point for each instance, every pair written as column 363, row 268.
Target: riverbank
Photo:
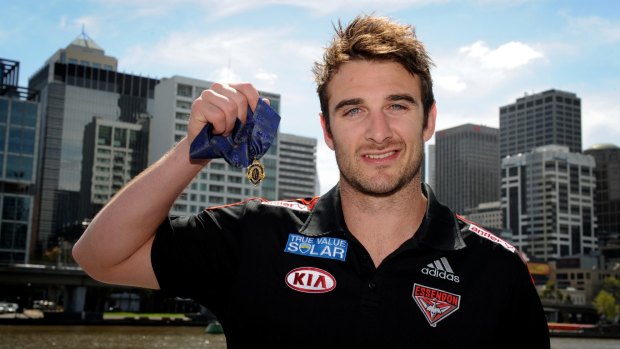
column 36, row 317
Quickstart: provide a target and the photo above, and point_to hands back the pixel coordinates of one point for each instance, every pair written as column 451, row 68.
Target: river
column 163, row 337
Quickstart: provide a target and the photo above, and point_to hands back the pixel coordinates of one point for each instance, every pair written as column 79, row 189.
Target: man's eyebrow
column 347, row 102
column 403, row 97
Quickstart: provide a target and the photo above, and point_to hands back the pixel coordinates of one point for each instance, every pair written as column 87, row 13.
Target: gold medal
column 255, row 172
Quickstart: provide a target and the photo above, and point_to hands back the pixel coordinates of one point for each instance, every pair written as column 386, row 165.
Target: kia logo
column 310, row 280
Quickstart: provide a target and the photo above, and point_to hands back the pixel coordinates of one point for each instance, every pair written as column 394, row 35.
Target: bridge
column 23, row 282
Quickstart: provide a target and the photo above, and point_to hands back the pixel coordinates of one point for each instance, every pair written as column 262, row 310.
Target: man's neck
column 382, row 224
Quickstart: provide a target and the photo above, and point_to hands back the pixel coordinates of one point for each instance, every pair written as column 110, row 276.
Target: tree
column 607, row 301
column 606, row 306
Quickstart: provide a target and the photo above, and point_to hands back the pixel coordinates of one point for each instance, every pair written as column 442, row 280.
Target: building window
column 184, row 90
column 184, row 105
column 217, row 166
column 182, row 116
column 105, row 135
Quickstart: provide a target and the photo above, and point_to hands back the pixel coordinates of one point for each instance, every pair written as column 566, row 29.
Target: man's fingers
column 222, row 105
column 233, row 103
column 249, row 92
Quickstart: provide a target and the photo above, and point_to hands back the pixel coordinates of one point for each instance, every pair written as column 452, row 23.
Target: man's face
column 376, row 119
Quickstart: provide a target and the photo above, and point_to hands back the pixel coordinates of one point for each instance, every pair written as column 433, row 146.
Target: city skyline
column 484, row 54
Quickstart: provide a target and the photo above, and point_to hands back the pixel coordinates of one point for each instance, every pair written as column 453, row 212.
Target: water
column 177, row 337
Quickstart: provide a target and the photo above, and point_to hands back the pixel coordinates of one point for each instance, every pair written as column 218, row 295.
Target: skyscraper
column 547, row 199
column 76, row 84
column 113, row 153
column 607, row 194
column 19, row 127
column 297, row 175
column 431, row 177
column 467, row 166
column 550, row 117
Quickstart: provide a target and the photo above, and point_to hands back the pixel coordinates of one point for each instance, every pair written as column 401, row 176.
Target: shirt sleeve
column 526, row 323
column 189, row 258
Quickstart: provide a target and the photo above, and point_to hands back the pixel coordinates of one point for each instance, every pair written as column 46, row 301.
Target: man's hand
column 221, row 105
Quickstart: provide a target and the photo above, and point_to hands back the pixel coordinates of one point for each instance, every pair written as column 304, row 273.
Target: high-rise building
column 19, row 129
column 297, row 174
column 487, row 214
column 431, row 177
column 548, row 202
column 467, row 166
column 76, row 84
column 550, row 117
column 218, row 183
column 607, row 202
column 113, row 154
column 607, row 194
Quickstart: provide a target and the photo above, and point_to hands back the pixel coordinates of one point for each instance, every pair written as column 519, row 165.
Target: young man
column 375, row 262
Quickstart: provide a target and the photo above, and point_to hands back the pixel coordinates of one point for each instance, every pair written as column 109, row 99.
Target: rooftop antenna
column 85, row 37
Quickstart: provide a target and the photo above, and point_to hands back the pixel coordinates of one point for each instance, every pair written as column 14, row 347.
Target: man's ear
column 327, row 135
column 429, row 129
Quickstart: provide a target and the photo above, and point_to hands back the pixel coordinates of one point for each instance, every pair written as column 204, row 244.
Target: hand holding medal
column 245, row 145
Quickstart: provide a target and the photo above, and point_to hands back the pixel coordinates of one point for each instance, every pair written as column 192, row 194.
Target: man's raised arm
column 116, row 246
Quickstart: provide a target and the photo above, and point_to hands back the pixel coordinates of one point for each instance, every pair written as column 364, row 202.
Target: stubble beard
column 377, row 185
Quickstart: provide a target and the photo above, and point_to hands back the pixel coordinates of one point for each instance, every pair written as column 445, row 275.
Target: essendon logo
column 310, row 280
column 435, row 304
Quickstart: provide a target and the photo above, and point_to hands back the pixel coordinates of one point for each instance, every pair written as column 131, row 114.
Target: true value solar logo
column 321, row 247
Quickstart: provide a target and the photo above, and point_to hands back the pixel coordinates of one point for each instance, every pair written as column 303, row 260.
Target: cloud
column 92, row 25
column 451, row 83
column 594, row 28
column 600, row 118
column 506, row 57
column 268, row 78
column 327, row 167
column 478, row 68
column 204, row 54
column 62, row 24
column 224, row 8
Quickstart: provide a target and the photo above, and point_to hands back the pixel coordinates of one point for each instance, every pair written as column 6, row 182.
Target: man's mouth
column 380, row 156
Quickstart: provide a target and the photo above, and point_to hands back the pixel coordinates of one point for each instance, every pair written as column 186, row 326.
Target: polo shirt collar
column 439, row 230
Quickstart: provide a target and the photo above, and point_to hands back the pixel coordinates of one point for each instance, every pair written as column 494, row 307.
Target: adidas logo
column 440, row 268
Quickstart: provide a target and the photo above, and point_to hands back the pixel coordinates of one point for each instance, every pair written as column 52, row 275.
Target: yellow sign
column 538, row 268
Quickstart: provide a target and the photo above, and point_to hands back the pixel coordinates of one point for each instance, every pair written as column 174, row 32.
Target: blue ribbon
column 246, row 142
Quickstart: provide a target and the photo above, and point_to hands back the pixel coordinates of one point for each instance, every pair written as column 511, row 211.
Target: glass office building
column 549, row 117
column 18, row 156
column 548, row 202
column 76, row 84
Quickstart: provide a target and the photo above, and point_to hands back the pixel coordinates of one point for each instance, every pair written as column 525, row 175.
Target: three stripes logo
column 440, row 268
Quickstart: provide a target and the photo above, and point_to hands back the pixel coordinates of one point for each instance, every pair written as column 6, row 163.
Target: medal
column 245, row 145
column 255, row 172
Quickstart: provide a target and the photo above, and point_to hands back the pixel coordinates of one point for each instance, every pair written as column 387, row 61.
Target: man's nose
column 379, row 128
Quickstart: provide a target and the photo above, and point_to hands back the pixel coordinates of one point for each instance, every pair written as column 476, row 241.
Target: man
column 375, row 262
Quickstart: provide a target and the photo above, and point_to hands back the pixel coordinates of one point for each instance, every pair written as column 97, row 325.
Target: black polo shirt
column 290, row 274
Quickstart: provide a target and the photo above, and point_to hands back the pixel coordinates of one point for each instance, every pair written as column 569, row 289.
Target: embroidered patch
column 435, row 304
column 310, row 280
column 321, row 247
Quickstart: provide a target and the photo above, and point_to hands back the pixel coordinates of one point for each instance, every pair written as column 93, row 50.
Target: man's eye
column 352, row 112
column 397, row 107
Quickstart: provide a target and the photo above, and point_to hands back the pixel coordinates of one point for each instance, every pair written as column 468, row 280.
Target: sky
column 487, row 53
